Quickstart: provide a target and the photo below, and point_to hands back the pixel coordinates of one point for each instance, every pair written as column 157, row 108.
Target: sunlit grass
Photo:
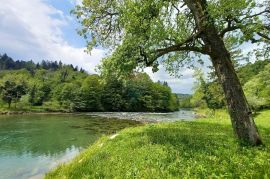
column 205, row 148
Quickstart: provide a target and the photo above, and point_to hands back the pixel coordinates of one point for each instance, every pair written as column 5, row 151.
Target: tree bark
column 240, row 113
column 239, row 110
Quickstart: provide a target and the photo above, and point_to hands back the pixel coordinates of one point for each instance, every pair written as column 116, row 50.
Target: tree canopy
column 63, row 88
column 139, row 32
column 147, row 33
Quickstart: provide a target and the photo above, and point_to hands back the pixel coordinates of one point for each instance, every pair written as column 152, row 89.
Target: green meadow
column 205, row 148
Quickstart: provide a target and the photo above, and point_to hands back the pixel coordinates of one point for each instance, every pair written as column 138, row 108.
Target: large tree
column 12, row 92
column 177, row 32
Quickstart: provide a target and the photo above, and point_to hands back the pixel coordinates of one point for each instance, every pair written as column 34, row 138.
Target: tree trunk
column 240, row 113
column 239, row 110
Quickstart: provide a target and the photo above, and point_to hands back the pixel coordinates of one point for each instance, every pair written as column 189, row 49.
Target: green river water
column 31, row 145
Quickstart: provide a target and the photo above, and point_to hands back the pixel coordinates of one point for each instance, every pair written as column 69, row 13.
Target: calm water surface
column 31, row 145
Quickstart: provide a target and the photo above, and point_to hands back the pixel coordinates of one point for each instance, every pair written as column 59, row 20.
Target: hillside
column 53, row 86
column 255, row 79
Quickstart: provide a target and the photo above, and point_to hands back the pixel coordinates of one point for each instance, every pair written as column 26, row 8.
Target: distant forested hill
column 248, row 71
column 7, row 63
column 181, row 95
column 53, row 86
column 184, row 100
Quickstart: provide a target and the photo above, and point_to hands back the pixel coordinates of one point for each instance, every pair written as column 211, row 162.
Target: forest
column 56, row 87
column 254, row 78
column 53, row 86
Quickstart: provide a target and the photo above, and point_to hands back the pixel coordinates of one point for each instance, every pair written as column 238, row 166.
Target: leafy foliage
column 253, row 76
column 184, row 100
column 258, row 89
column 250, row 70
column 147, row 33
column 12, row 92
column 55, row 87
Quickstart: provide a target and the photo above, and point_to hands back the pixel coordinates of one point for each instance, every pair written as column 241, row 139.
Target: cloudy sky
column 44, row 29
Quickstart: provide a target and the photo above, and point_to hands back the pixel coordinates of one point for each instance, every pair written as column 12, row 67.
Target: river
column 31, row 145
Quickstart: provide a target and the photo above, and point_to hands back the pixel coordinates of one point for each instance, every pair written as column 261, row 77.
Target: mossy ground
column 205, row 148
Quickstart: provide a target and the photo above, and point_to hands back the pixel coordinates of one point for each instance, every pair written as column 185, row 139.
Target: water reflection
column 30, row 145
column 27, row 165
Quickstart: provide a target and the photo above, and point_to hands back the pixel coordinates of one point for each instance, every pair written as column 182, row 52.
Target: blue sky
column 69, row 31
column 45, row 29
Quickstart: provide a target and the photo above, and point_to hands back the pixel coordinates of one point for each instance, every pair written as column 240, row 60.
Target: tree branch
column 228, row 29
column 176, row 48
column 255, row 15
column 263, row 36
column 183, row 46
column 239, row 21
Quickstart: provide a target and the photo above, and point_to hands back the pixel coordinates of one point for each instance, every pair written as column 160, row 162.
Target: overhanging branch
column 186, row 45
column 228, row 29
column 264, row 36
column 231, row 27
column 177, row 48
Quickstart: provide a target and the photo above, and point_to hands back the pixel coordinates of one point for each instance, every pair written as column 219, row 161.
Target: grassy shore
column 205, row 148
column 33, row 109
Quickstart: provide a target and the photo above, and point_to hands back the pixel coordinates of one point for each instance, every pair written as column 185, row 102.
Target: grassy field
column 205, row 148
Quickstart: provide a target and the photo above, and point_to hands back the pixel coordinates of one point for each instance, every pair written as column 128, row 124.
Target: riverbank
column 32, row 110
column 204, row 148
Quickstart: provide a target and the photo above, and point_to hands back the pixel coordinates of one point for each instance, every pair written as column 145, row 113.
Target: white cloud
column 76, row 2
column 33, row 30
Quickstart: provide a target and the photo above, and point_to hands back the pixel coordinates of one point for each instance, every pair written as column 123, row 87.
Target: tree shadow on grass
column 198, row 137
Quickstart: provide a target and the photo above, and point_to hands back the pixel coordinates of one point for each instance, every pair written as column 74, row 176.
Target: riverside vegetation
column 254, row 78
column 56, row 87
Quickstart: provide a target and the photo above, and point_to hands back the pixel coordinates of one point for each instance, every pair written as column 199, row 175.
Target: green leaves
column 134, row 31
column 12, row 92
column 258, row 89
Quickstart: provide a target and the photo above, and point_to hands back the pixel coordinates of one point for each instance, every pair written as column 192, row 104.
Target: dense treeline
column 255, row 79
column 7, row 63
column 53, row 86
